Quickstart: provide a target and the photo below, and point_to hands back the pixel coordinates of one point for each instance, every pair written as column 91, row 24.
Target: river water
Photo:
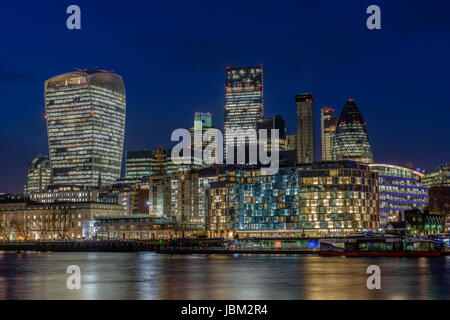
column 157, row 276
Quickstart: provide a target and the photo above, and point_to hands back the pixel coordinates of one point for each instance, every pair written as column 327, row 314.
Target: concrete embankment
column 80, row 246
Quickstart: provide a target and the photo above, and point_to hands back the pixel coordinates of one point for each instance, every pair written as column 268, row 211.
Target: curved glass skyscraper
column 85, row 113
column 351, row 140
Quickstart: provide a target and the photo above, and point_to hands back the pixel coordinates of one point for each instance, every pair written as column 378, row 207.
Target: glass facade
column 328, row 123
column 202, row 123
column 85, row 113
column 266, row 202
column 139, row 163
column 351, row 140
column 275, row 123
column 400, row 190
column 221, row 206
column 305, row 128
column 337, row 198
column 38, row 175
column 440, row 177
column 333, row 198
column 244, row 102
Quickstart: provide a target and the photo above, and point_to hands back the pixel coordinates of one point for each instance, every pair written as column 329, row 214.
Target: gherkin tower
column 351, row 140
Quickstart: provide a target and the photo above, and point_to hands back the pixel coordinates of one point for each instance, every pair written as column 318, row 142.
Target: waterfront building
column 220, row 220
column 38, row 175
column 400, row 189
column 323, row 199
column 85, row 113
column 305, row 128
column 439, row 203
column 439, row 177
column 244, row 103
column 138, row 164
column 337, row 198
column 422, row 222
column 25, row 220
column 328, row 122
column 291, row 142
column 275, row 123
column 184, row 197
column 267, row 202
column 140, row 227
column 159, row 196
column 351, row 140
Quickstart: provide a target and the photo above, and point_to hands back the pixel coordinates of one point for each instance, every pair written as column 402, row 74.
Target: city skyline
column 399, row 130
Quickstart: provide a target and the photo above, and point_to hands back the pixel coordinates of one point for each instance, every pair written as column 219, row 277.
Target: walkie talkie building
column 85, row 113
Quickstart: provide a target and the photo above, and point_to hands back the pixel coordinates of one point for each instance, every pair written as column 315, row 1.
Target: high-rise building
column 203, row 123
column 305, row 128
column 244, row 103
column 38, row 175
column 399, row 190
column 291, row 142
column 439, row 177
column 275, row 123
column 85, row 113
column 138, row 164
column 328, row 123
column 351, row 140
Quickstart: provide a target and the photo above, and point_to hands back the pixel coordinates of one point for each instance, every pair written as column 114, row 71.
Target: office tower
column 291, row 142
column 439, row 177
column 203, row 123
column 399, row 190
column 244, row 103
column 275, row 123
column 328, row 123
column 351, row 140
column 305, row 128
column 85, row 112
column 38, row 175
column 138, row 164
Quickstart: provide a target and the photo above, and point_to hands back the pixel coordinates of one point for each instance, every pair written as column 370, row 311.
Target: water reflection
column 152, row 276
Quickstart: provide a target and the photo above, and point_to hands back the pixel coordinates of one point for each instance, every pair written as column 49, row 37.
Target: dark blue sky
column 172, row 56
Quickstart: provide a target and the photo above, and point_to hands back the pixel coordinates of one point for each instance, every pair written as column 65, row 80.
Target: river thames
column 275, row 277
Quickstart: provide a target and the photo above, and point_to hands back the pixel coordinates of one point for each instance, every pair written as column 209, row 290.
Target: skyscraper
column 202, row 123
column 305, row 128
column 351, row 140
column 275, row 123
column 138, row 163
column 38, row 175
column 328, row 128
column 85, row 113
column 244, row 103
column 291, row 142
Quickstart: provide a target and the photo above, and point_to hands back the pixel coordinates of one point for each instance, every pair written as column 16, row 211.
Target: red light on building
column 46, row 117
column 350, row 100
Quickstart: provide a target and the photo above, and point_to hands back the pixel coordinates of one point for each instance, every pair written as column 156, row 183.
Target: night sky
column 173, row 54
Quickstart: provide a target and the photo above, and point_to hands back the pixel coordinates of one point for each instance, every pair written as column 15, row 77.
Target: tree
column 6, row 228
column 45, row 226
column 22, row 227
column 63, row 223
